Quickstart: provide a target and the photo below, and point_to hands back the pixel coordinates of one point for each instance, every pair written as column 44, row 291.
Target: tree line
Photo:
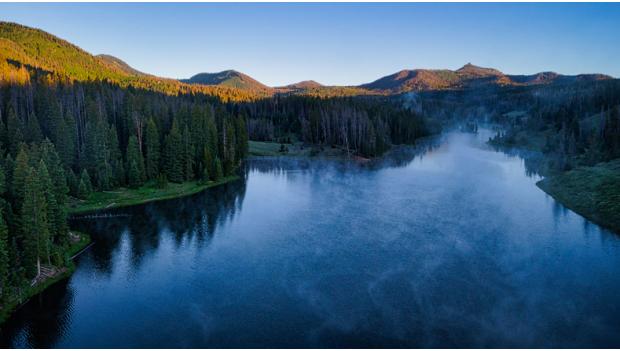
column 366, row 126
column 61, row 138
column 580, row 123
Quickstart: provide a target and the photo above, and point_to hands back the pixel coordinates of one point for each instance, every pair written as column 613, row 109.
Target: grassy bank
column 80, row 241
column 123, row 197
column 296, row 149
column 593, row 192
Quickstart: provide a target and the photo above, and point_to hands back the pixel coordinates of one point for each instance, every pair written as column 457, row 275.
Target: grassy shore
column 123, row 197
column 81, row 241
column 593, row 192
column 295, row 149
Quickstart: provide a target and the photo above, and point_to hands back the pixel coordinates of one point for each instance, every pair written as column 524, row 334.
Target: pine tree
column 209, row 164
column 20, row 172
column 73, row 183
column 59, row 190
column 3, row 181
column 133, row 175
column 206, row 160
column 35, row 227
column 188, row 155
column 241, row 137
column 4, row 259
column 212, row 145
column 33, row 129
column 174, row 160
column 97, row 151
column 229, row 153
column 85, row 187
column 152, row 150
column 63, row 141
column 219, row 173
column 134, row 160
column 51, row 207
column 14, row 128
column 115, row 158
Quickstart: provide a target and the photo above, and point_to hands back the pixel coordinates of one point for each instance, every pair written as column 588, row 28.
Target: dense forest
column 574, row 125
column 61, row 138
column 67, row 133
column 366, row 126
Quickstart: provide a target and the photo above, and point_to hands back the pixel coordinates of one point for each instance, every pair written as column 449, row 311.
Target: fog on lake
column 449, row 244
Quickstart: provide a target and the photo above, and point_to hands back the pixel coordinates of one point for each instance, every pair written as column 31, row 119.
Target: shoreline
column 85, row 242
column 586, row 190
column 65, row 272
column 592, row 192
column 125, row 197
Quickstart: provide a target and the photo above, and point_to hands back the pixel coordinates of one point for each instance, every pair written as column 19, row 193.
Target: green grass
column 123, row 197
column 593, row 192
column 30, row 291
column 263, row 148
column 296, row 149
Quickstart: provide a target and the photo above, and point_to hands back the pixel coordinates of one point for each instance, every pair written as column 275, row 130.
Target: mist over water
column 449, row 244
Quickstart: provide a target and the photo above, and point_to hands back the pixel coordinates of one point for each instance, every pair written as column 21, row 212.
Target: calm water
column 453, row 247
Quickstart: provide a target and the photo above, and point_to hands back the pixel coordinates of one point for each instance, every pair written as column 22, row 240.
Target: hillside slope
column 229, row 78
column 120, row 64
column 24, row 47
column 467, row 77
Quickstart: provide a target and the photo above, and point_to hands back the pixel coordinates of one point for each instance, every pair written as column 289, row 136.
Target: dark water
column 453, row 247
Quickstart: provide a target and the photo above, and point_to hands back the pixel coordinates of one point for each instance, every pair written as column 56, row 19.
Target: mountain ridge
column 42, row 50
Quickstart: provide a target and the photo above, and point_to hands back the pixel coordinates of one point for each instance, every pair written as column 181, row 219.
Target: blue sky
column 342, row 44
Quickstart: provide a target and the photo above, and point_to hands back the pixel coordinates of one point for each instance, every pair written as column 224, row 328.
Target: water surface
column 451, row 245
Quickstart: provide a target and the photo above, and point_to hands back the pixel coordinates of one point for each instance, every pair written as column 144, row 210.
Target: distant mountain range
column 468, row 76
column 42, row 50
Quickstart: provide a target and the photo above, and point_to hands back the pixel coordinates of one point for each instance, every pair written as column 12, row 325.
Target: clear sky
column 343, row 44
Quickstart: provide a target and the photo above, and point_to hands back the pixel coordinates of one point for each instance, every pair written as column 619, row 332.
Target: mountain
column 229, row 78
column 120, row 64
column 470, row 71
column 24, row 47
column 414, row 80
column 24, row 50
column 552, row 77
column 467, row 77
column 306, row 84
column 42, row 50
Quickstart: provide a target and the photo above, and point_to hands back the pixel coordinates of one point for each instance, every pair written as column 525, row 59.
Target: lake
column 449, row 244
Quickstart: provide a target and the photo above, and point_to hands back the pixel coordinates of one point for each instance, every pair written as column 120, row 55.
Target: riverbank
column 296, row 149
column 79, row 242
column 592, row 192
column 149, row 192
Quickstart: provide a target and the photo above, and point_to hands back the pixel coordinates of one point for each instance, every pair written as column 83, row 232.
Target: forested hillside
column 37, row 49
column 63, row 138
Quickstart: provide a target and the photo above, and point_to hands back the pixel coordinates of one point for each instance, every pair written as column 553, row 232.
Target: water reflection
column 449, row 244
column 195, row 216
column 44, row 319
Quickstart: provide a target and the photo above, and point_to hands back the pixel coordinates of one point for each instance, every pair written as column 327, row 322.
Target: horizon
column 317, row 43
